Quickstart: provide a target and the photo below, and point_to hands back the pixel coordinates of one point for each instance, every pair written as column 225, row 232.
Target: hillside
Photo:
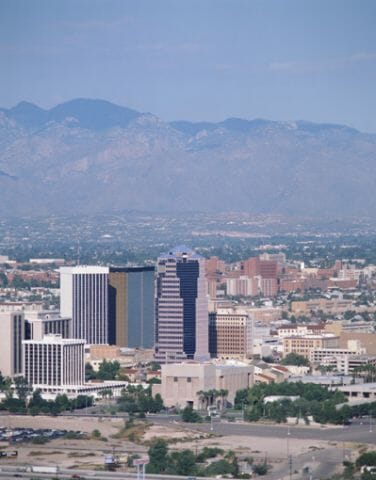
column 93, row 156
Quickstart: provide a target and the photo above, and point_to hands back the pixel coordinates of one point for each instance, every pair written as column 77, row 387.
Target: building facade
column 181, row 307
column 54, row 361
column 304, row 344
column 38, row 324
column 230, row 335
column 12, row 332
column 84, row 298
column 182, row 383
column 131, row 306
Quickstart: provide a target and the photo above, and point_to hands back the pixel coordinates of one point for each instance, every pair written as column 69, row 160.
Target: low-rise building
column 304, row 307
column 365, row 391
column 181, row 383
column 304, row 344
column 291, row 330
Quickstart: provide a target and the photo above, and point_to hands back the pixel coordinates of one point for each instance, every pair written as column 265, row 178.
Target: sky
column 196, row 59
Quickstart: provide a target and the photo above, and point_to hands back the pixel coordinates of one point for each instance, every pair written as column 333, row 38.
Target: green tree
column 190, row 415
column 108, row 370
column 260, row 468
column 295, row 359
column 22, row 388
column 185, row 463
column 158, row 460
column 367, row 458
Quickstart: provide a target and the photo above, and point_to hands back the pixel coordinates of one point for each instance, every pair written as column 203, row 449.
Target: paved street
column 351, row 433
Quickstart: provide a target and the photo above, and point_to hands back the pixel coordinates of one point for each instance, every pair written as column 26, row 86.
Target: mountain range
column 91, row 156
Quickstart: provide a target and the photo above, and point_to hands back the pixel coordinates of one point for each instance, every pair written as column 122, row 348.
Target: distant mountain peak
column 92, row 155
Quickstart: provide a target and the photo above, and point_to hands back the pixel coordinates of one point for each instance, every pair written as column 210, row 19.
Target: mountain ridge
column 92, row 156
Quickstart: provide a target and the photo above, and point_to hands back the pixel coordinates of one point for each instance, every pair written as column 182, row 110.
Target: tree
column 260, row 468
column 89, row 371
column 223, row 393
column 221, row 467
column 295, row 359
column 108, row 370
column 158, row 459
column 185, row 463
column 189, row 415
column 154, row 366
column 202, row 399
column 367, row 458
column 22, row 388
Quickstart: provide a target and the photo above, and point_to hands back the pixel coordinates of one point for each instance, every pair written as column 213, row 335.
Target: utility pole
column 370, row 423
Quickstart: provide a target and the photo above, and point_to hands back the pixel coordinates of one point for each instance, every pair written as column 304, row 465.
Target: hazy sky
column 196, row 59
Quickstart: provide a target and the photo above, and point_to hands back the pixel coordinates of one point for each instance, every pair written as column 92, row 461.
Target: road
column 351, row 433
column 319, row 464
column 9, row 472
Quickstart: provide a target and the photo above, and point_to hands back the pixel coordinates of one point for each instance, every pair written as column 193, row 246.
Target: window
column 175, row 379
column 189, row 379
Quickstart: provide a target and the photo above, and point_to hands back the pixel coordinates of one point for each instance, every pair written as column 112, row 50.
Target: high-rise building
column 84, row 298
column 181, row 326
column 54, row 361
column 12, row 332
column 230, row 335
column 131, row 306
column 40, row 323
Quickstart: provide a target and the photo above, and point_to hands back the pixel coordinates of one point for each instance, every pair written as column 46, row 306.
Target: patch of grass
column 36, row 453
column 133, row 431
column 80, row 455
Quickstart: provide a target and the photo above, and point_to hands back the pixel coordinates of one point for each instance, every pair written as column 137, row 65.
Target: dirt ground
column 89, row 453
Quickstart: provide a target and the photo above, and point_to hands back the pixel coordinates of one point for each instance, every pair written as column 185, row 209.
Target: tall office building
column 12, row 332
column 40, row 323
column 230, row 334
column 84, row 298
column 54, row 361
column 131, row 306
column 181, row 327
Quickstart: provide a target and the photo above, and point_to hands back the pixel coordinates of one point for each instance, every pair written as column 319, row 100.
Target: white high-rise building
column 40, row 323
column 12, row 332
column 181, row 307
column 54, row 361
column 84, row 298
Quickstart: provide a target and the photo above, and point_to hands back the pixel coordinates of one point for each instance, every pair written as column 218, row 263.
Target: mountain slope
column 92, row 156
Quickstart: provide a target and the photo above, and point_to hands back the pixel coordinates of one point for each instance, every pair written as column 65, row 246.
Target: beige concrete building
column 230, row 335
column 366, row 340
column 12, row 332
column 182, row 382
column 300, row 330
column 127, row 357
column 264, row 314
column 364, row 391
column 303, row 345
column 327, row 306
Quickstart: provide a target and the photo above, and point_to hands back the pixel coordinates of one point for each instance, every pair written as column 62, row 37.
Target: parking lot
column 19, row 435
